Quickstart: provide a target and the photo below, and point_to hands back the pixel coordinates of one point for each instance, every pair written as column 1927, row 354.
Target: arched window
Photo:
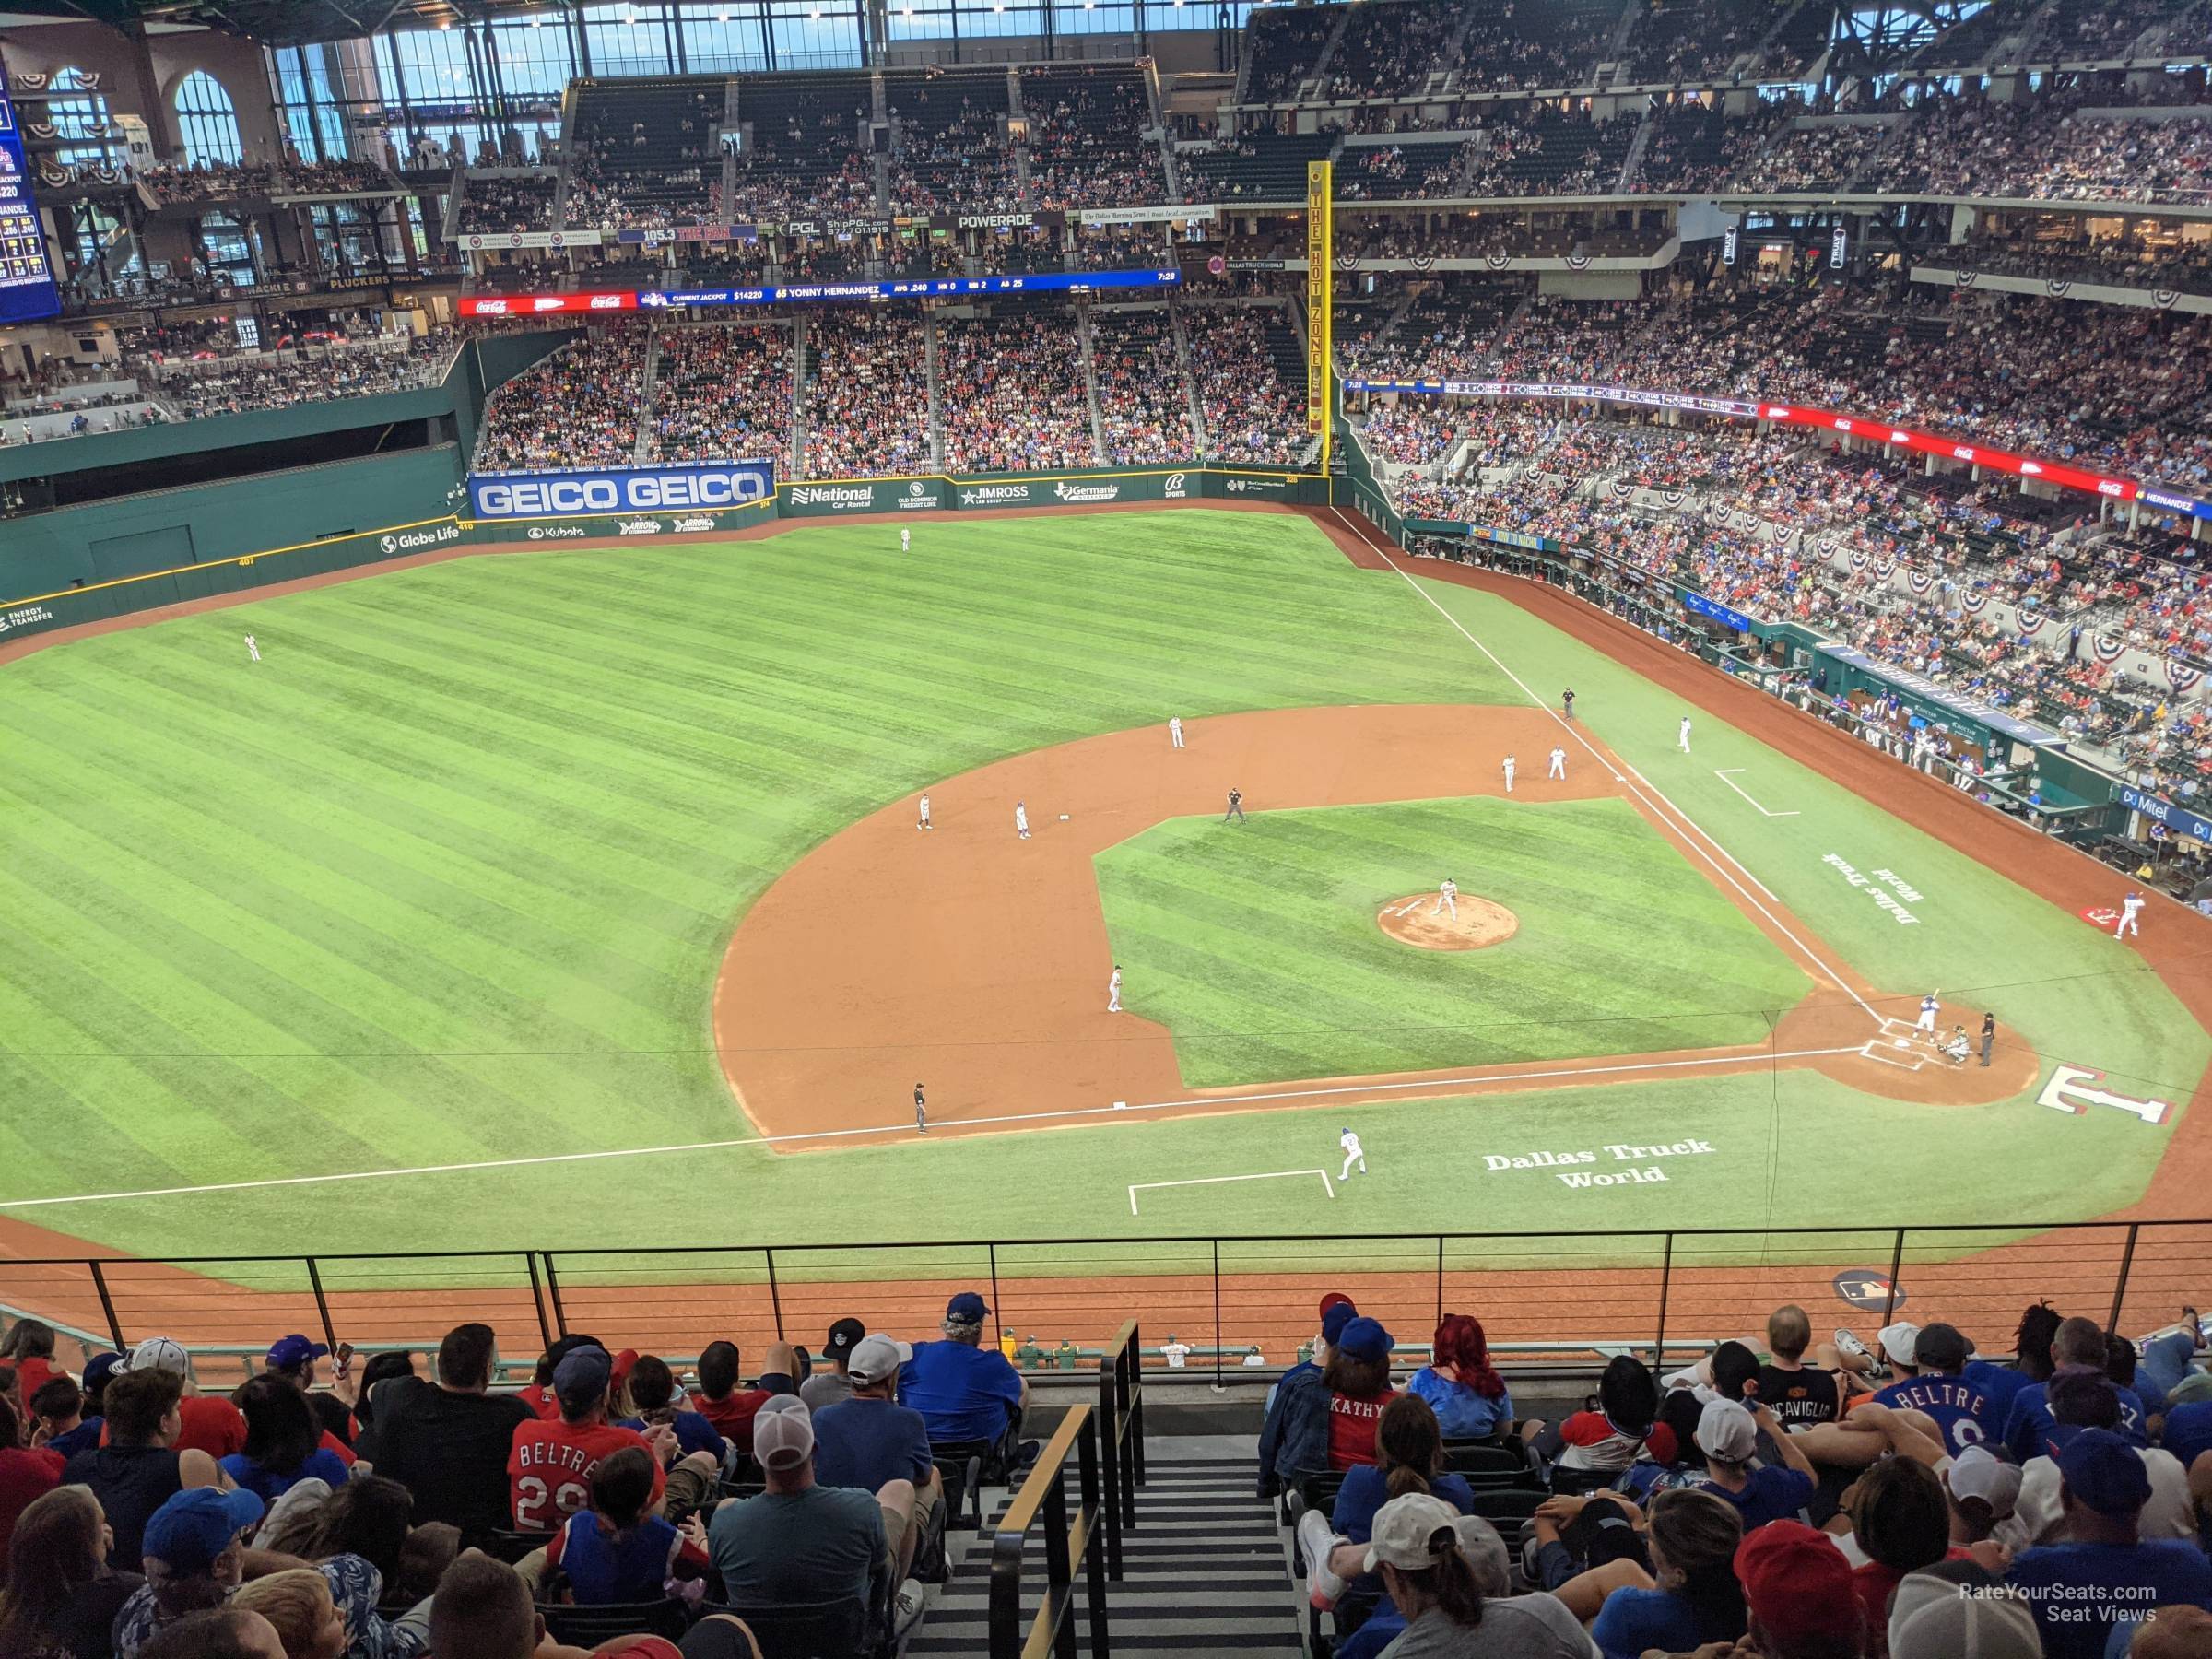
column 76, row 118
column 207, row 121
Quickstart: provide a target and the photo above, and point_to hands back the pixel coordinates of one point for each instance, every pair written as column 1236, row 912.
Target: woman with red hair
column 1461, row 1384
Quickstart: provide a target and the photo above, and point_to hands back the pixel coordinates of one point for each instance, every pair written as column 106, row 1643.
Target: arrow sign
column 2068, row 1091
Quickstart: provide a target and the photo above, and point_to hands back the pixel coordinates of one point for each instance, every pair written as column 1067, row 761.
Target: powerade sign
column 627, row 490
column 2166, row 813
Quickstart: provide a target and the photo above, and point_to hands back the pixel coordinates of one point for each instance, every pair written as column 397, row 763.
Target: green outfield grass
column 445, row 879
column 1259, row 948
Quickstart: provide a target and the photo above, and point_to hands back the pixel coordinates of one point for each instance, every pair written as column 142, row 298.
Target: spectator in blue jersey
column 1689, row 1597
column 1957, row 1406
column 1409, row 1458
column 2187, row 1431
column 623, row 1548
column 284, row 1444
column 2105, row 1568
column 964, row 1390
column 1289, row 1438
column 869, row 1441
column 2080, row 1401
column 2079, row 1343
column 2030, row 1362
column 1728, row 1436
column 1461, row 1384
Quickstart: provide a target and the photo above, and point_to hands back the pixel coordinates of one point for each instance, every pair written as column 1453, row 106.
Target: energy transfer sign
column 621, row 490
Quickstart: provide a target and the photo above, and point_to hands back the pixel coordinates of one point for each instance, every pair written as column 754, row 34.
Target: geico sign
column 640, row 492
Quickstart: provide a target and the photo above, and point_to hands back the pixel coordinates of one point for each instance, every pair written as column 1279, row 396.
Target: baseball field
column 576, row 897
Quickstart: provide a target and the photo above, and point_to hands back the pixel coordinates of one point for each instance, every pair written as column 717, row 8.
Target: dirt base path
column 974, row 962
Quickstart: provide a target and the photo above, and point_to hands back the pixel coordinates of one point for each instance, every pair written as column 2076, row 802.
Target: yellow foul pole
column 1321, row 289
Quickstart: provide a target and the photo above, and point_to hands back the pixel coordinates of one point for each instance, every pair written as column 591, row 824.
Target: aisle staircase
column 1202, row 1570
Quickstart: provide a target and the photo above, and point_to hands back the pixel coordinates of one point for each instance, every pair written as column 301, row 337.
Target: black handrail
column 1066, row 1540
column 1120, row 1437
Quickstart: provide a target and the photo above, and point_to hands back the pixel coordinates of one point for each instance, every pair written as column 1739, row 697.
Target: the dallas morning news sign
column 619, row 489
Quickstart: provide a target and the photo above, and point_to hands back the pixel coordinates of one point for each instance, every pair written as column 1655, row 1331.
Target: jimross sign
column 620, row 490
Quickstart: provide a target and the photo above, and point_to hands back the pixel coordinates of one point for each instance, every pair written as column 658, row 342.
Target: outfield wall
column 182, row 544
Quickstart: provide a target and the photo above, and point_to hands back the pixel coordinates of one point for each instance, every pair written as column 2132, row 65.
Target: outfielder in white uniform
column 1352, row 1154
column 1926, row 1022
column 2129, row 908
column 906, row 540
column 1509, row 774
column 1558, row 764
column 1021, row 819
column 1174, row 731
column 252, row 649
column 925, row 824
column 1447, row 899
column 1113, row 990
column 1684, row 733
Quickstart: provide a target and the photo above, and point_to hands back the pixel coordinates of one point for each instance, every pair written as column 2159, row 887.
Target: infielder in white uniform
column 1021, row 819
column 925, row 824
column 1558, row 764
column 1113, row 990
column 1926, row 1022
column 1509, row 774
column 2129, row 908
column 1684, row 733
column 1447, row 899
column 1352, row 1154
column 252, row 649
column 1174, row 731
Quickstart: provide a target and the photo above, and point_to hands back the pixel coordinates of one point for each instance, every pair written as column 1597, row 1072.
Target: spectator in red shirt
column 1358, row 1383
column 538, row 1395
column 549, row 1466
column 730, row 1409
column 25, row 1474
column 29, row 1348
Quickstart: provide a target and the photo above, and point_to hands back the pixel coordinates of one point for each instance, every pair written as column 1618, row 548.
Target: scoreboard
column 27, row 290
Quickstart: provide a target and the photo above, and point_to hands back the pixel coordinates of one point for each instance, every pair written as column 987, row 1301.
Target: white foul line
column 1655, row 799
column 874, row 1129
column 1724, row 777
column 1145, row 1186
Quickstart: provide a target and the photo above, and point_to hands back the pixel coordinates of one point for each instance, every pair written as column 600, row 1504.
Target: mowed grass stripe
column 223, row 845
column 1259, row 948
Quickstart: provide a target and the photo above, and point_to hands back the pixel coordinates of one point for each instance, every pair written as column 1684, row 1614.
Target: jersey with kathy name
column 1962, row 1411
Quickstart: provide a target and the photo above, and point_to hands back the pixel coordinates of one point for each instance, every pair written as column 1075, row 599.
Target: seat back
column 830, row 1629
column 1486, row 1462
column 588, row 1627
column 512, row 1547
column 1506, row 1503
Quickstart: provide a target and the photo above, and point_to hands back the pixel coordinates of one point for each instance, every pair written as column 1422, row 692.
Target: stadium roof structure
column 272, row 22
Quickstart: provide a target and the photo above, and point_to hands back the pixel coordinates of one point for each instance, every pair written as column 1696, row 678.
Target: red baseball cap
column 1334, row 1299
column 1797, row 1582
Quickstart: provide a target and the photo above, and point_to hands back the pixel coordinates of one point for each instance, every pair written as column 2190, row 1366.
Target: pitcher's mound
column 1414, row 920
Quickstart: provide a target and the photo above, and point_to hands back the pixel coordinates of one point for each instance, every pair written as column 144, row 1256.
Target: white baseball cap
column 784, row 1434
column 1404, row 1527
column 875, row 1357
column 158, row 1354
column 1727, row 1431
column 1899, row 1342
column 1946, row 1623
column 1979, row 1472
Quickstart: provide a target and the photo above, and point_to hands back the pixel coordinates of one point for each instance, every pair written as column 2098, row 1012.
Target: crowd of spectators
column 2049, row 151
column 1907, row 1497
column 368, row 1511
column 493, row 203
column 1255, row 412
column 1143, row 406
column 1524, row 44
column 950, row 153
column 721, row 393
column 804, row 160
column 1086, row 141
column 1013, row 397
column 1395, row 171
column 866, row 407
column 1387, row 49
column 290, row 177
column 578, row 407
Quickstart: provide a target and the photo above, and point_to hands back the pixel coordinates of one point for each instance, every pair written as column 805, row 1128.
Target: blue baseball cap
column 288, row 1353
column 2105, row 1473
column 195, row 1527
column 98, row 1368
column 582, row 1376
column 1365, row 1339
column 1333, row 1318
column 967, row 1307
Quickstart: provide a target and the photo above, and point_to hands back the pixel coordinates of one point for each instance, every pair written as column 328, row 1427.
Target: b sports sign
column 620, row 490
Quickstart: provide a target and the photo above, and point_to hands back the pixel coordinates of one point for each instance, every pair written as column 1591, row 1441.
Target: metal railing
column 1121, row 1419
column 1569, row 1297
column 1067, row 1539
